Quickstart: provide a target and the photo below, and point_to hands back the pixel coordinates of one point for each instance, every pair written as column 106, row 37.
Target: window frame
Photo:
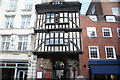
column 118, row 31
column 49, row 17
column 28, row 6
column 116, row 11
column 98, row 56
column 23, row 42
column 25, row 23
column 6, row 41
column 55, row 39
column 9, row 22
column 110, row 32
column 12, row 5
column 90, row 30
column 114, row 54
column 53, row 18
column 110, row 18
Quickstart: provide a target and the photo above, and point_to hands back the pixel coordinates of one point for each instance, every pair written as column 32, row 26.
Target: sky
column 85, row 5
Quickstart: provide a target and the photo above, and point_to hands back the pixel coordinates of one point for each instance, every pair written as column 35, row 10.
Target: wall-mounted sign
column 39, row 74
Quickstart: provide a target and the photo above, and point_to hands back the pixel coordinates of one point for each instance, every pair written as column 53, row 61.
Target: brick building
column 101, row 41
column 104, row 7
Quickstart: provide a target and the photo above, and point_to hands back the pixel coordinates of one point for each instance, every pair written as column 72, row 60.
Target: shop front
column 14, row 69
column 104, row 69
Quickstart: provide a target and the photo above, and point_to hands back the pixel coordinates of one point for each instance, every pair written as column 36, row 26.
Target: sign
column 39, row 75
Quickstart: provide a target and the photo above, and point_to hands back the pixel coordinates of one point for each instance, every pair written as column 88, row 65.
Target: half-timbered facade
column 58, row 39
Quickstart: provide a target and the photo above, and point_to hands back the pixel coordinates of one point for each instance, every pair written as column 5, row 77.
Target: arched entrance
column 59, row 69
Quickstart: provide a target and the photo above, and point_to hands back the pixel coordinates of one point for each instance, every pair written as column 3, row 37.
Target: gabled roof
column 55, row 6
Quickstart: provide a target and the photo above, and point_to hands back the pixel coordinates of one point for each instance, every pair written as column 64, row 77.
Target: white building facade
column 18, row 18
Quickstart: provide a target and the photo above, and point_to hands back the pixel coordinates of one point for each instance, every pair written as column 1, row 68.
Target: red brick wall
column 99, row 41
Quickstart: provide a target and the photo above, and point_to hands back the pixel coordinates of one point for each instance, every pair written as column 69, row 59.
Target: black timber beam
column 58, row 29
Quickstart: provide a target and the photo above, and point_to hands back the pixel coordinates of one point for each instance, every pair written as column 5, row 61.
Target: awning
column 104, row 67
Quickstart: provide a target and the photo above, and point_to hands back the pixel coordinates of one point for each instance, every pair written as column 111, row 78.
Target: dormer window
column 110, row 18
column 93, row 17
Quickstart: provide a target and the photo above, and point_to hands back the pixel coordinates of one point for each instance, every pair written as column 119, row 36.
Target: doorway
column 8, row 73
column 22, row 75
column 59, row 70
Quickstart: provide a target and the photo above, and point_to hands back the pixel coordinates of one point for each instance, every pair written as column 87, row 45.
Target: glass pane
column 47, row 35
column 3, row 44
column 25, row 46
column 48, row 15
column 52, row 35
column 51, row 41
column 56, row 41
column 47, row 42
column 7, row 45
column 52, row 20
column 65, row 15
column 56, row 35
column 52, row 15
column 19, row 45
column 61, row 41
column 65, row 19
column 61, row 35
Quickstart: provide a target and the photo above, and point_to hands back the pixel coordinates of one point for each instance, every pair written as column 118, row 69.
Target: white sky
column 85, row 5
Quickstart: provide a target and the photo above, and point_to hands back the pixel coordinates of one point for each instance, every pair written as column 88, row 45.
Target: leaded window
column 50, row 17
column 56, row 18
column 56, row 38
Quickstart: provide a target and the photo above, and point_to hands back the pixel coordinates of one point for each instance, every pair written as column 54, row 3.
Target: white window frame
column 25, row 21
column 113, row 52
column 110, row 18
column 114, row 0
column 28, row 6
column 23, row 39
column 12, row 5
column 90, row 30
column 98, row 57
column 9, row 22
column 110, row 32
column 93, row 17
column 6, row 41
column 118, row 31
column 116, row 11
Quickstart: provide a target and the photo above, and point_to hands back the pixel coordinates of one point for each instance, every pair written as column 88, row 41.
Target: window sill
column 107, row 36
column 10, row 10
column 26, row 9
column 92, row 36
